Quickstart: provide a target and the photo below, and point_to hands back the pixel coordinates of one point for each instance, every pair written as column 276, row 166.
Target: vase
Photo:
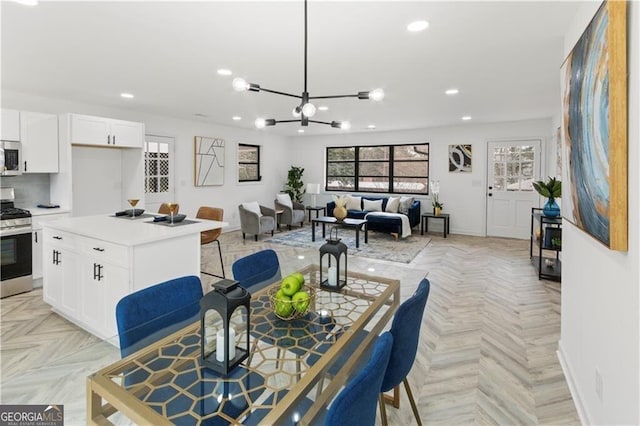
column 551, row 208
column 437, row 211
column 340, row 212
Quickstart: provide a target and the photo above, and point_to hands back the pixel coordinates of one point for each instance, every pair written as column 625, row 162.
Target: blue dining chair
column 155, row 312
column 406, row 333
column 258, row 270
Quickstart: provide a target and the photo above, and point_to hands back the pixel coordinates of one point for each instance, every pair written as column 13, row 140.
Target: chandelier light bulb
column 376, row 95
column 309, row 109
column 345, row 125
column 296, row 112
column 260, row 123
column 240, row 84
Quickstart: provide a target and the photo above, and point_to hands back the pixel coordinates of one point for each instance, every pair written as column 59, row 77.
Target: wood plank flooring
column 487, row 351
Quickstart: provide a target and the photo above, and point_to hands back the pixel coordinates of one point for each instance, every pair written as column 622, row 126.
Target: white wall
column 274, row 154
column 463, row 194
column 600, row 297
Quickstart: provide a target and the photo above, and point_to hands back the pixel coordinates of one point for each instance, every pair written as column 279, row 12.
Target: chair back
column 154, row 312
column 257, row 270
column 164, row 209
column 356, row 404
column 210, row 213
column 406, row 333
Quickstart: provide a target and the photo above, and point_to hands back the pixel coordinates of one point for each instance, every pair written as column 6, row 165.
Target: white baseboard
column 573, row 388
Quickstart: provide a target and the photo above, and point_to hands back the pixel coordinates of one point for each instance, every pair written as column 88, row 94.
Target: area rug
column 380, row 246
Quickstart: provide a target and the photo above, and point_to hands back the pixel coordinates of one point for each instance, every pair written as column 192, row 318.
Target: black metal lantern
column 224, row 341
column 333, row 249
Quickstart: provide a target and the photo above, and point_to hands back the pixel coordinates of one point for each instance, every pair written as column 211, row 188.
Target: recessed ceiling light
column 452, row 92
column 300, row 130
column 223, row 71
column 323, row 108
column 126, row 95
column 236, row 118
column 466, row 118
column 300, row 257
column 371, row 126
column 417, row 26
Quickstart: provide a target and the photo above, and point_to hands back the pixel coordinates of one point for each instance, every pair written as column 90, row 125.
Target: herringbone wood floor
column 487, row 351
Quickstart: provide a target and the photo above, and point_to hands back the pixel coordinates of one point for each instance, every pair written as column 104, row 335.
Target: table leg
column 422, row 219
column 444, row 227
column 366, row 233
column 448, row 222
column 313, row 235
column 324, row 235
column 357, row 237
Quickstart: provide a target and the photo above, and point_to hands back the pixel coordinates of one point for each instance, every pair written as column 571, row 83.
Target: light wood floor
column 487, row 351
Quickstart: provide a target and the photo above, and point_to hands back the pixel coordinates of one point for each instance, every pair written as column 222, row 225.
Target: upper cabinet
column 100, row 131
column 39, row 134
column 10, row 126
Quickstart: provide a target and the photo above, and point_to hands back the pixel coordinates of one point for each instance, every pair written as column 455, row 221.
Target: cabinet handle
column 25, row 166
column 98, row 249
column 97, row 272
column 35, row 234
column 53, row 259
column 55, row 237
column 114, row 139
column 100, row 276
column 108, row 139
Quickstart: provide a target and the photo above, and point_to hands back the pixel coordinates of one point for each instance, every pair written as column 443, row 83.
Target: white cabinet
column 10, row 125
column 100, row 131
column 39, row 133
column 37, row 248
column 84, row 278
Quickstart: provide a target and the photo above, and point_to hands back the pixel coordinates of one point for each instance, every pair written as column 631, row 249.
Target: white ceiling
column 504, row 57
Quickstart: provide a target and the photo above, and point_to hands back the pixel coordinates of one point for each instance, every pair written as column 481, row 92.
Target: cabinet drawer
column 105, row 251
column 60, row 238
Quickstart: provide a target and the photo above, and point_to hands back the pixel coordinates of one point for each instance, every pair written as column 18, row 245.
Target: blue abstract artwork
column 587, row 179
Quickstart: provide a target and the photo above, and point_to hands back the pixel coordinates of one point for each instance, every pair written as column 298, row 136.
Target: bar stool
column 164, row 209
column 206, row 237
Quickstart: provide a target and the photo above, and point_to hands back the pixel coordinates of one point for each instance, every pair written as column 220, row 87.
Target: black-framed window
column 395, row 169
column 249, row 163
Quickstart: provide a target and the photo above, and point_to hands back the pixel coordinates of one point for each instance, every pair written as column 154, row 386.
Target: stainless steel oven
column 10, row 156
column 15, row 246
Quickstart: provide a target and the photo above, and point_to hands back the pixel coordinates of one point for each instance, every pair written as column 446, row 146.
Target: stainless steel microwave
column 10, row 158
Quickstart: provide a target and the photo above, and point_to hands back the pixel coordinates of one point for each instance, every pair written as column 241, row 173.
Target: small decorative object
column 549, row 263
column 313, row 189
column 551, row 189
column 209, row 161
column 459, row 158
column 134, row 212
column 556, row 242
column 224, row 325
column 292, row 299
column 333, row 249
column 295, row 186
column 340, row 210
column 173, row 207
column 435, row 194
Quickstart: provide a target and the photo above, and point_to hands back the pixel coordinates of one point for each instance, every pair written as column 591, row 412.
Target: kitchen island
column 91, row 262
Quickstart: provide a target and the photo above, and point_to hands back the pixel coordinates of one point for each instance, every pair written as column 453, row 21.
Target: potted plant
column 294, row 186
column 552, row 189
column 435, row 194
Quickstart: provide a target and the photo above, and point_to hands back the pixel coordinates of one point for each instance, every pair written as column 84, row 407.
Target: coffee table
column 357, row 224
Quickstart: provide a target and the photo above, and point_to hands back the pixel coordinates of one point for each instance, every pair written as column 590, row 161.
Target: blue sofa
column 382, row 224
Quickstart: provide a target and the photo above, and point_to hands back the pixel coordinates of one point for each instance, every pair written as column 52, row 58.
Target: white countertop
column 37, row 211
column 127, row 231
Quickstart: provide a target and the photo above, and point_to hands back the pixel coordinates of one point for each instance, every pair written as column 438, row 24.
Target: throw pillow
column 354, row 203
column 405, row 203
column 372, row 205
column 393, row 204
column 285, row 200
column 253, row 207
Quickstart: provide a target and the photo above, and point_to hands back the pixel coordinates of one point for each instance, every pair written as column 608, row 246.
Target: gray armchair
column 254, row 224
column 291, row 213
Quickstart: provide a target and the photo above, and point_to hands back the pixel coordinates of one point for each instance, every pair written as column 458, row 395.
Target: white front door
column 512, row 167
column 159, row 171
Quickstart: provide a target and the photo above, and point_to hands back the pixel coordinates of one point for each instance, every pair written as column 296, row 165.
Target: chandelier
column 305, row 110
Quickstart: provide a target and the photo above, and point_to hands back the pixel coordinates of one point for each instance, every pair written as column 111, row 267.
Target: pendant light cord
column 305, row 45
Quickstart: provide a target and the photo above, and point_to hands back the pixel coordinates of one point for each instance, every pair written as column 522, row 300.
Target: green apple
column 280, row 295
column 301, row 301
column 299, row 277
column 284, row 307
column 290, row 285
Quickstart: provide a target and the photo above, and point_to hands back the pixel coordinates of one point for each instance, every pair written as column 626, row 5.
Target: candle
column 220, row 345
column 333, row 276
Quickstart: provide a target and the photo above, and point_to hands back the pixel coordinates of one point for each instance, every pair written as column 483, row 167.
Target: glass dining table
column 293, row 371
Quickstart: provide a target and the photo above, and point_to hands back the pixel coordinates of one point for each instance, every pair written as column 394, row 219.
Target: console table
column 424, row 223
column 548, row 240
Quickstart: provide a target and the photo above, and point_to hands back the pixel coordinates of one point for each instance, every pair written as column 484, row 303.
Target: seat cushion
column 267, row 223
column 356, row 214
column 298, row 216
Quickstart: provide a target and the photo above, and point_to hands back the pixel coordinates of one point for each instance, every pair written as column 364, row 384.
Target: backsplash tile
column 30, row 189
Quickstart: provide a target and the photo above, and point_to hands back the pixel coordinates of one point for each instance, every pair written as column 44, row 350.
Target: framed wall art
column 594, row 129
column 209, row 161
column 460, row 158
